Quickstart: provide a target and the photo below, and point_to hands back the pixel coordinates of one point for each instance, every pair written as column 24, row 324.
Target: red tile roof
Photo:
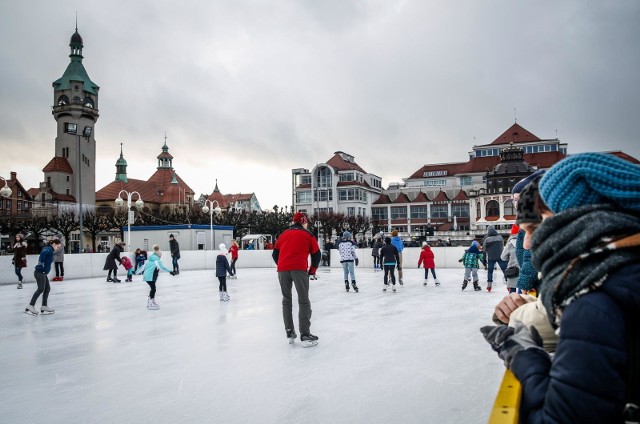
column 515, row 134
column 451, row 168
column 461, row 196
column 58, row 164
column 623, row 155
column 402, row 198
column 382, row 200
column 342, row 165
column 441, row 197
column 421, row 197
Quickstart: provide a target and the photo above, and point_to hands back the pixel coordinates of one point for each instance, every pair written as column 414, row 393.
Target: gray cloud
column 247, row 86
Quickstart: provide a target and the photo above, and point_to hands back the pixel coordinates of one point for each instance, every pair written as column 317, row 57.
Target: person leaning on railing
column 587, row 249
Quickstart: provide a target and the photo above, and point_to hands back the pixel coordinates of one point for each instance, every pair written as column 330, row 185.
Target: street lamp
column 139, row 205
column 211, row 210
column 6, row 190
column 72, row 128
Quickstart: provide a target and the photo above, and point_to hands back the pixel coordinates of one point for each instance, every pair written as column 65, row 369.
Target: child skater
column 126, row 263
column 470, row 260
column 375, row 252
column 389, row 257
column 426, row 257
column 222, row 268
column 151, row 270
column 233, row 249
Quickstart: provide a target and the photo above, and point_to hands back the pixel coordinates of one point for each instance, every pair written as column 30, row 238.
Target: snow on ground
column 414, row 356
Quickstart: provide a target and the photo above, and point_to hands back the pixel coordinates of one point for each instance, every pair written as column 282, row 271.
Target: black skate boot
column 355, row 288
column 464, row 284
column 346, row 285
column 291, row 335
column 476, row 286
column 308, row 340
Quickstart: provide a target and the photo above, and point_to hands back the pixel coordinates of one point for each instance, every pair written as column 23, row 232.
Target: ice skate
column 384, row 288
column 346, row 286
column 464, row 284
column 225, row 296
column 308, row 340
column 400, row 281
column 128, row 279
column 55, row 279
column 153, row 304
column 45, row 310
column 109, row 280
column 30, row 310
column 313, row 277
column 489, row 289
column 425, row 282
column 116, row 280
column 20, row 285
column 291, row 335
column 437, row 282
column 355, row 288
column 476, row 286
column 221, row 295
column 393, row 287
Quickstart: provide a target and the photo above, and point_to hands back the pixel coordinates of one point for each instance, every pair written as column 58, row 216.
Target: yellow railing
column 507, row 404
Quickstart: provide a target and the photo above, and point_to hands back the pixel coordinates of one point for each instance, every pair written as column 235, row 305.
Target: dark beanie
column 527, row 213
column 520, row 185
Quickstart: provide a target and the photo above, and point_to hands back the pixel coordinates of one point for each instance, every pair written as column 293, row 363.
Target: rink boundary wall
column 89, row 265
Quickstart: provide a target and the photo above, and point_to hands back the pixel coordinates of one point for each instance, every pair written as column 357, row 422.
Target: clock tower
column 71, row 175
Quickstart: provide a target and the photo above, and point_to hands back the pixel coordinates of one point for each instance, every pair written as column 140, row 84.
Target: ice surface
column 414, row 356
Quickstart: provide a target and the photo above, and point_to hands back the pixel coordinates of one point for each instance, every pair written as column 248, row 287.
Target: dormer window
column 63, row 100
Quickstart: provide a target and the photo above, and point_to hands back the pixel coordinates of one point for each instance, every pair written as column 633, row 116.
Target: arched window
column 63, row 100
column 493, row 208
column 88, row 102
column 77, row 100
column 478, row 210
column 323, row 177
column 509, row 208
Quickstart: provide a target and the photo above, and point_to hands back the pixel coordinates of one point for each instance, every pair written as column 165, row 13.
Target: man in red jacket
column 290, row 254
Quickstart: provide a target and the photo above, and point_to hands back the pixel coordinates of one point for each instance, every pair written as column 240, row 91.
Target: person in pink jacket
column 426, row 257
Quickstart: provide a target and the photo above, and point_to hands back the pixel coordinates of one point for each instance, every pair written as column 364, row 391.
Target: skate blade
column 47, row 313
column 309, row 343
column 31, row 313
column 291, row 340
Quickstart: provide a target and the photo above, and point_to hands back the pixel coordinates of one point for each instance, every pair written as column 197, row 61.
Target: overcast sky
column 248, row 90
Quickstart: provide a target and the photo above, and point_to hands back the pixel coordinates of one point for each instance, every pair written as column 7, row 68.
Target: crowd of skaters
column 569, row 328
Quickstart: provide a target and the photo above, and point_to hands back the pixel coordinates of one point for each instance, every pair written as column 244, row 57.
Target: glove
column 13, row 262
column 356, row 260
column 312, row 271
column 508, row 341
column 172, row 273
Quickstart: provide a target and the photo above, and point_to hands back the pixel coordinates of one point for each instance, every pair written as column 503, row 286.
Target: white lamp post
column 139, row 205
column 211, row 210
column 6, row 190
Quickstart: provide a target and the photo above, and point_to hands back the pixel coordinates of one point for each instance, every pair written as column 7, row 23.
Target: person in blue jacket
column 42, row 279
column 397, row 242
column 150, row 274
column 587, row 249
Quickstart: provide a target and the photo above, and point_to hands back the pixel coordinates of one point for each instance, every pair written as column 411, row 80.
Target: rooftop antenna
column 165, row 137
column 515, row 115
column 556, row 134
column 76, row 21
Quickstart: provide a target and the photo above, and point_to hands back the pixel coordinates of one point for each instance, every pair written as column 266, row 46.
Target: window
column 509, row 208
column 493, row 208
column 303, row 197
column 347, row 177
column 466, row 181
column 305, row 179
column 418, row 212
column 323, row 195
column 19, row 205
column 379, row 214
column 63, row 100
column 398, row 212
column 435, row 183
column 439, row 211
column 352, row 194
column 478, row 210
column 461, row 211
column 351, row 211
column 323, row 177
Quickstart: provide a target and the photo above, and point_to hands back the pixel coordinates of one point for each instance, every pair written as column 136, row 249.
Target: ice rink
column 414, row 356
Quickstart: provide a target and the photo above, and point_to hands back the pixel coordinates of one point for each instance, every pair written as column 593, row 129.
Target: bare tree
column 64, row 223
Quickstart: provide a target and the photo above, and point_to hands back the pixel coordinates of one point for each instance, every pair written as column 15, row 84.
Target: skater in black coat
column 389, row 258
column 112, row 262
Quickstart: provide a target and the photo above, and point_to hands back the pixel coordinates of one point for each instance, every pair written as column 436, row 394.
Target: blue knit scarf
column 575, row 251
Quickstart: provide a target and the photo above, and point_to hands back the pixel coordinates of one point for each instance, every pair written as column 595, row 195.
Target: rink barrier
column 89, row 265
column 507, row 404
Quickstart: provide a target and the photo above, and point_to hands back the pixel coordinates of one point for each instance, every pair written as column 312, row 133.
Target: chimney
column 13, row 175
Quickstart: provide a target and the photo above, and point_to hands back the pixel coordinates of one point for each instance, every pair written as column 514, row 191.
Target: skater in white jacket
column 348, row 259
